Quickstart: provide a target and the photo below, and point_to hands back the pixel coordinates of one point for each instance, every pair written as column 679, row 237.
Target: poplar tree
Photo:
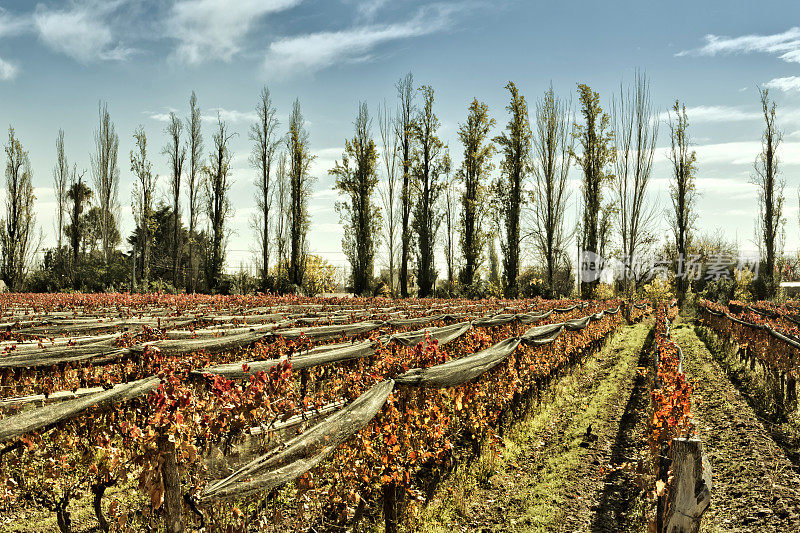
column 515, row 144
column 357, row 178
column 596, row 139
column 299, row 162
column 682, row 189
column 429, row 166
column 474, row 172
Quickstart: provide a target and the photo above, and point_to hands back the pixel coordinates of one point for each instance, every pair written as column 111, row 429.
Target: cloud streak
column 715, row 113
column 316, row 51
column 214, row 29
column 786, row 45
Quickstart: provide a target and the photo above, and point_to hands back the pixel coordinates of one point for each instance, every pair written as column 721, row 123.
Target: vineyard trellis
column 175, row 385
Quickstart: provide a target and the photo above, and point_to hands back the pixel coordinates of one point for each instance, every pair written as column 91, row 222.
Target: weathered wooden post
column 690, row 492
column 173, row 503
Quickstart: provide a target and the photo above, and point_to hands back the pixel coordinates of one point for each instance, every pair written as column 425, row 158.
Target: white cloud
column 715, row 113
column 786, row 45
column 316, row 51
column 229, row 115
column 214, row 29
column 8, row 71
column 789, row 83
column 81, row 32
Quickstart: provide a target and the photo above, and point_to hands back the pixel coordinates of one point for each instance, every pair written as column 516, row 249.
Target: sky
column 144, row 58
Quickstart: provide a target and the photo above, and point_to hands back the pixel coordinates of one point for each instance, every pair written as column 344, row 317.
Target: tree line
column 404, row 191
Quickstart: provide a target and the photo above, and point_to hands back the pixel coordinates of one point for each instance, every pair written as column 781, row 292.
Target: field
column 157, row 412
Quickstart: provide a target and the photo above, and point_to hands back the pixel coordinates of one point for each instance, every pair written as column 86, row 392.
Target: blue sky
column 58, row 59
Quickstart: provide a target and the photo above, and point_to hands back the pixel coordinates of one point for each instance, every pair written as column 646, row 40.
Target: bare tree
column 218, row 205
column 143, row 190
column 60, row 186
column 175, row 151
column 105, row 174
column 195, row 152
column 16, row 233
column 635, row 134
column 770, row 192
column 390, row 144
column 404, row 129
column 300, row 159
column 552, row 154
column 682, row 189
column 265, row 141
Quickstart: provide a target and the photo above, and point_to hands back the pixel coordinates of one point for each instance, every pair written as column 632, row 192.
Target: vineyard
column 184, row 413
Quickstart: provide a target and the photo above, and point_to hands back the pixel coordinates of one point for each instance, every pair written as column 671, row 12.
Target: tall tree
column 300, row 159
column 195, row 153
column 357, row 178
column 60, row 186
column 389, row 145
column 218, row 205
column 429, row 165
column 404, row 128
column 105, row 173
column 79, row 194
column 143, row 191
column 682, row 189
column 16, row 232
column 552, row 154
column 635, row 134
column 770, row 192
column 450, row 222
column 266, row 140
column 175, row 151
column 515, row 144
column 596, row 140
column 473, row 174
column 282, row 182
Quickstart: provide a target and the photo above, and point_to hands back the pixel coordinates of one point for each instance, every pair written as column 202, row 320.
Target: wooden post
column 389, row 507
column 690, row 492
column 173, row 504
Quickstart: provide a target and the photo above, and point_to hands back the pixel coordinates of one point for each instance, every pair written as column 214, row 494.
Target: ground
column 756, row 487
column 578, row 460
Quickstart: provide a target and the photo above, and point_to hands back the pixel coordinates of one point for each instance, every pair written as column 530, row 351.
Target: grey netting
column 327, row 332
column 303, row 452
column 57, row 356
column 526, row 319
column 461, row 370
column 212, row 344
column 442, row 334
column 299, row 362
column 334, row 353
column 35, row 419
column 540, row 332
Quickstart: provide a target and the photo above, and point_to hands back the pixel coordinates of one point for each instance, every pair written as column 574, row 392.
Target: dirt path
column 552, row 476
column 756, row 488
